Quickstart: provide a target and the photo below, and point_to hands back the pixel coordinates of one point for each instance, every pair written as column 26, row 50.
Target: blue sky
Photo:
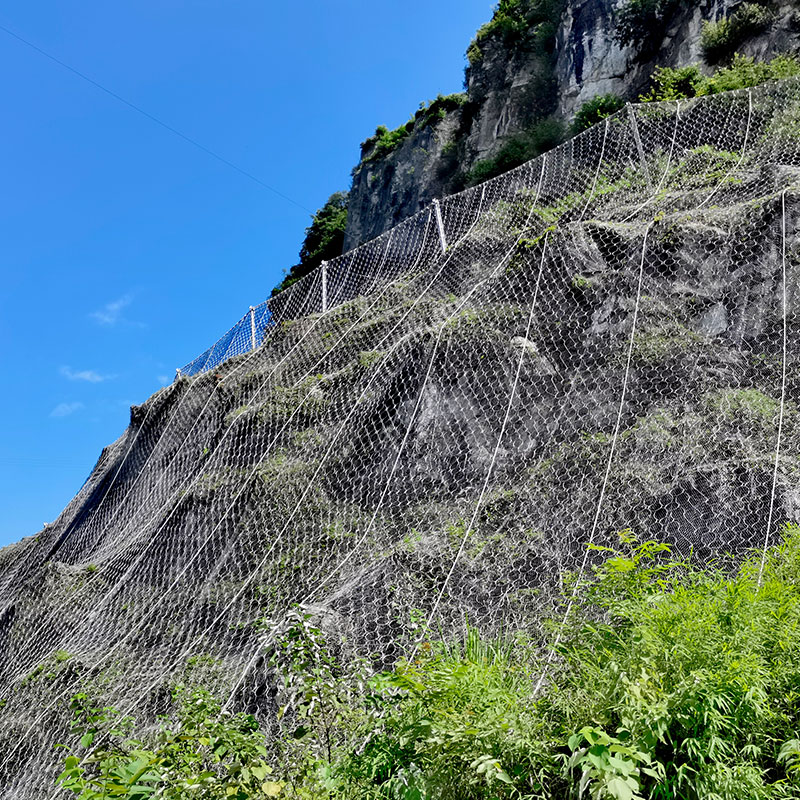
column 125, row 251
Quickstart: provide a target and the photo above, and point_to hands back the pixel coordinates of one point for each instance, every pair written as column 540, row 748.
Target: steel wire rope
column 121, row 581
column 355, row 405
column 611, row 453
column 278, row 536
column 164, row 473
column 313, row 478
column 310, row 597
column 657, row 189
column 741, row 157
column 597, row 171
column 418, row 403
column 329, row 450
column 784, row 351
column 155, row 119
column 239, row 368
column 395, row 464
column 493, row 460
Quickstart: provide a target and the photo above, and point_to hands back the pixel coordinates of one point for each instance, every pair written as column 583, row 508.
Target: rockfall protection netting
column 603, row 338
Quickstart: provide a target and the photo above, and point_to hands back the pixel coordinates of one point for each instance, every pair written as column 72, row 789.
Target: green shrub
column 385, row 141
column 719, row 40
column 513, row 20
column 665, row 680
column 675, row 84
column 517, row 150
column 324, row 239
column 436, row 110
column 205, row 752
column 596, row 109
column 642, row 23
column 670, row 681
column 743, row 72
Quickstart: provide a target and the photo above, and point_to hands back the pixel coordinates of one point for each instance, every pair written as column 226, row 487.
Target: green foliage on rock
column 436, row 110
column 513, row 20
column 384, row 141
column 517, row 150
column 642, row 23
column 742, row 73
column 202, row 752
column 719, row 40
column 659, row 680
column 595, row 110
column 324, row 239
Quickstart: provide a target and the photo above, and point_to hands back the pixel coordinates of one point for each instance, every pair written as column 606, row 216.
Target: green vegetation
column 743, row 72
column 436, row 110
column 205, row 752
column 517, row 150
column 384, row 141
column 324, row 239
column 513, row 20
column 719, row 40
column 596, row 109
column 664, row 679
column 643, row 22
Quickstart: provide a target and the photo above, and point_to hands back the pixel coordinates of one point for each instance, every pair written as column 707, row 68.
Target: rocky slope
column 547, row 72
column 608, row 339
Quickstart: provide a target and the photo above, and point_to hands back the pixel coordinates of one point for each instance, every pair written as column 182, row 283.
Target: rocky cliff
column 604, row 338
column 540, row 71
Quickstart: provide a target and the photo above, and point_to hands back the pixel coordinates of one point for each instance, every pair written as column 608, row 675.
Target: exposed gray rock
column 509, row 89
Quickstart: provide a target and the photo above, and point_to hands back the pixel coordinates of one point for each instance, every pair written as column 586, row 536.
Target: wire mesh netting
column 606, row 340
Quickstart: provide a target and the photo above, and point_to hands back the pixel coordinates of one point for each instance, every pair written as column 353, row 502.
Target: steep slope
column 529, row 72
column 606, row 337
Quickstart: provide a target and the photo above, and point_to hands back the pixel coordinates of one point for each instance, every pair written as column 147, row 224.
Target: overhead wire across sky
column 155, row 119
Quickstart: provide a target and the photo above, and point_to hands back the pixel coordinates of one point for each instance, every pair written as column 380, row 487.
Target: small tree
column 596, row 109
column 324, row 239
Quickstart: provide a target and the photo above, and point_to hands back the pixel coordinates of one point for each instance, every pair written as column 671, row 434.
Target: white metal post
column 638, row 139
column 252, row 328
column 440, row 224
column 324, row 286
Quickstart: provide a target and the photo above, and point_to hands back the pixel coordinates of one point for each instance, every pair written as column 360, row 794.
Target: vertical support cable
column 252, row 327
column 324, row 286
column 784, row 348
column 440, row 224
column 638, row 139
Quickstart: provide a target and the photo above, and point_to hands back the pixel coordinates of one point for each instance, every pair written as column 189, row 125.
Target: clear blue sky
column 125, row 250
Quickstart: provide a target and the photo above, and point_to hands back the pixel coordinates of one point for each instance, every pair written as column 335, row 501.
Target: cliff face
column 512, row 86
column 608, row 340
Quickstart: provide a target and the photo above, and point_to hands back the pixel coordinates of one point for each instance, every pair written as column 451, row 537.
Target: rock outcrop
column 605, row 338
column 542, row 75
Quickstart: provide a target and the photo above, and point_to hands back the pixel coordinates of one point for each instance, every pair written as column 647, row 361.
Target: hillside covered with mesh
column 604, row 338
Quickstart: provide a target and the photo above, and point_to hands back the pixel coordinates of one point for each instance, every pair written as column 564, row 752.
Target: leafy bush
column 513, row 20
column 205, row 753
column 670, row 681
column 719, row 40
column 324, row 239
column 596, row 109
column 384, row 141
column 642, row 23
column 517, row 150
column 436, row 110
column 666, row 681
column 743, row 72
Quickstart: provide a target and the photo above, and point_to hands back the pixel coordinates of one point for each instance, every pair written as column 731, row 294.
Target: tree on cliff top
column 324, row 239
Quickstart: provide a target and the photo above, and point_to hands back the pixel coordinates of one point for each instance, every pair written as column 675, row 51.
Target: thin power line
column 154, row 119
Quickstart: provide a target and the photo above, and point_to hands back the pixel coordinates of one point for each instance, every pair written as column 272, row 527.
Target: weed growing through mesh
column 666, row 680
